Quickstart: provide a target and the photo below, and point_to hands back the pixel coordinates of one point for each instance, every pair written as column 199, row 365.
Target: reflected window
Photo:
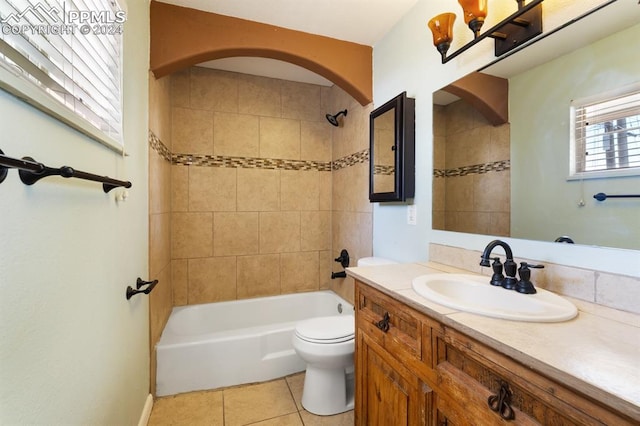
column 606, row 135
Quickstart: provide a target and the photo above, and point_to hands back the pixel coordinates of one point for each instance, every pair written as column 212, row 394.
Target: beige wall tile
column 236, row 135
column 181, row 88
column 459, row 191
column 160, row 304
column 439, row 149
column 258, row 275
column 159, row 183
column 259, row 95
column 437, row 219
column 279, row 138
column 326, row 191
column 258, row 190
column 501, row 142
column 315, row 233
column 180, row 188
column 326, row 263
column 212, row 279
column 191, row 235
column 191, row 131
column 354, row 232
column 500, row 224
column 212, row 189
column 353, row 134
column 279, row 232
column 574, row 282
column 618, row 292
column 299, row 272
column 351, row 189
column 492, row 192
column 344, row 287
column 315, row 141
column 438, row 195
column 160, row 108
column 159, row 242
column 180, row 281
column 454, row 256
column 214, row 90
column 235, row 233
column 301, row 101
column 300, row 190
column 439, row 121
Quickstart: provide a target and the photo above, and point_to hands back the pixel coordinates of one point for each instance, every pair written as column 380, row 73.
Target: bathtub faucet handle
column 343, row 259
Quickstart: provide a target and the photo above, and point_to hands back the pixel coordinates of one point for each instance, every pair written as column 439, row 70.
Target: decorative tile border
column 475, row 169
column 248, row 162
column 254, row 163
column 156, row 144
column 351, row 160
column 379, row 169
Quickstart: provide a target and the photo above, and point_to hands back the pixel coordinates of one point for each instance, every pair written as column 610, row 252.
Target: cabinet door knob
column 501, row 402
column 383, row 324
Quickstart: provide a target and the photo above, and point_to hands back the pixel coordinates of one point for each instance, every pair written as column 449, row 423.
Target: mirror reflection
column 384, row 152
column 513, row 179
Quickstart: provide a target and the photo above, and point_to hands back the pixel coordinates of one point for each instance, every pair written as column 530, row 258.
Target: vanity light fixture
column 513, row 31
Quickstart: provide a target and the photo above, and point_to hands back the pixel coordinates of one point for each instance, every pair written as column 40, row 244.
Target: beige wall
column 475, row 195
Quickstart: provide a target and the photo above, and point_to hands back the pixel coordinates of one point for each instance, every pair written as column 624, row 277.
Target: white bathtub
column 229, row 343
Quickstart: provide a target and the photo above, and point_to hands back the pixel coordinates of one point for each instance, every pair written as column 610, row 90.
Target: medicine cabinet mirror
column 392, row 150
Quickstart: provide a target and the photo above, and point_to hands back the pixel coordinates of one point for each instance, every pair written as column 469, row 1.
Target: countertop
column 596, row 353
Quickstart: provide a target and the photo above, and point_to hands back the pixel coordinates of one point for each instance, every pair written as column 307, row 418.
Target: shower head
column 333, row 119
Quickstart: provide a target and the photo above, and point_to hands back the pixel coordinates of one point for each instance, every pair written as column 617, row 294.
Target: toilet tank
column 373, row 261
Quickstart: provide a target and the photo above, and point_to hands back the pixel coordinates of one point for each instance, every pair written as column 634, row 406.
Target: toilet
column 327, row 345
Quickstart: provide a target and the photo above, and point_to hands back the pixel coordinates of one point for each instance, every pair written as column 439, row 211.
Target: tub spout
column 341, row 274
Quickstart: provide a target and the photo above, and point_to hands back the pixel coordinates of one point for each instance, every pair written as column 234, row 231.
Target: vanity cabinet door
column 387, row 393
column 471, row 376
column 397, row 328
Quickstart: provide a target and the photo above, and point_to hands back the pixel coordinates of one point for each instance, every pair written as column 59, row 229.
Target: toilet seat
column 327, row 330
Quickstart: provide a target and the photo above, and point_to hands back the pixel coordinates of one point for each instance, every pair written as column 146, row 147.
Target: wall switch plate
column 411, row 214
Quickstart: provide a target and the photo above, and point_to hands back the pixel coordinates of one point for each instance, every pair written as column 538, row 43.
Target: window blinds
column 70, row 49
column 607, row 133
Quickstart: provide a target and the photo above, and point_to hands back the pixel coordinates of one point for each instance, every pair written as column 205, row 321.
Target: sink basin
column 473, row 293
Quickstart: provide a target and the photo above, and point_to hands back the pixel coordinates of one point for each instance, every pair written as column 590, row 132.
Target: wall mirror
column 510, row 178
column 392, row 150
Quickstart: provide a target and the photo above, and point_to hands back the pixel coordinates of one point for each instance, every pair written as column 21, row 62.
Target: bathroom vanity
column 420, row 363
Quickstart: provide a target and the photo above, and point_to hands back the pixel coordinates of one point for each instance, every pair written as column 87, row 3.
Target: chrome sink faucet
column 509, row 282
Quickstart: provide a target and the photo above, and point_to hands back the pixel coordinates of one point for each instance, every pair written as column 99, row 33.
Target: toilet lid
column 333, row 329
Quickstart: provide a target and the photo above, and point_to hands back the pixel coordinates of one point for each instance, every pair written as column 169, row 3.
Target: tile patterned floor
column 274, row 403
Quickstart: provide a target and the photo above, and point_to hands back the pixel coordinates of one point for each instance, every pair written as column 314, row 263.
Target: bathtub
column 242, row 341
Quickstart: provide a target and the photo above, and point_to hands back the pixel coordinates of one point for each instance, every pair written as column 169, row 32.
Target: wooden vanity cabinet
column 411, row 370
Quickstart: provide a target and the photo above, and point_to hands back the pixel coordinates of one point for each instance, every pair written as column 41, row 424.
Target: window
column 606, row 135
column 65, row 57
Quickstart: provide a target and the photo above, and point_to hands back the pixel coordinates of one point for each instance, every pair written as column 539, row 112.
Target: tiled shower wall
column 352, row 213
column 254, row 200
column 161, row 299
column 471, row 185
column 252, row 192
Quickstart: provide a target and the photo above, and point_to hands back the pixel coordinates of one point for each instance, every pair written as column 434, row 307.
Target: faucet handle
column 525, row 285
column 497, row 277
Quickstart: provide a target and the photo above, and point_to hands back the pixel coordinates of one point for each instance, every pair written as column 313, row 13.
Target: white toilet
column 327, row 345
